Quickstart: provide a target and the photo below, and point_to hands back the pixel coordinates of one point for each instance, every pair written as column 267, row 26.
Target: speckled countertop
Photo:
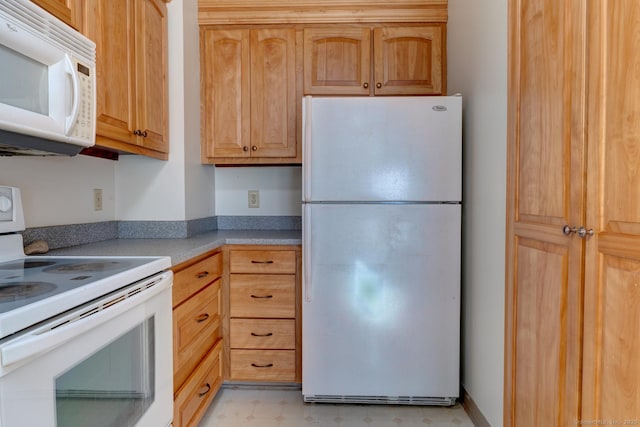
column 181, row 250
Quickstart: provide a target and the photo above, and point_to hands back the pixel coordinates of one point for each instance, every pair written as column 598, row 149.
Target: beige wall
column 477, row 67
column 59, row 191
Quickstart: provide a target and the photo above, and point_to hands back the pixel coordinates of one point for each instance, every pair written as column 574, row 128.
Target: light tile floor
column 240, row 407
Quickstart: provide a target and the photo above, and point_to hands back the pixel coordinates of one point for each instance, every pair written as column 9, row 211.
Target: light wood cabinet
column 249, row 97
column 572, row 319
column 264, row 314
column 131, row 50
column 197, row 336
column 385, row 60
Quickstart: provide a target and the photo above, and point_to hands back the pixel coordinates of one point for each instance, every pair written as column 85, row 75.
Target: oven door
column 109, row 368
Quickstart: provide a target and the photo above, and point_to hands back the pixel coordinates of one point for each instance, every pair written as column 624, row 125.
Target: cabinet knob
column 202, row 317
column 365, row 85
column 378, row 85
column 245, row 148
column 204, row 389
column 584, row 232
column 254, row 148
column 138, row 132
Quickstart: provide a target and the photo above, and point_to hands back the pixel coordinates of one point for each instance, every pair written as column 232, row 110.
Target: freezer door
column 382, row 149
column 381, row 300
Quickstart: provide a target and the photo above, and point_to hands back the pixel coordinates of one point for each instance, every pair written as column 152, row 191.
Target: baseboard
column 473, row 411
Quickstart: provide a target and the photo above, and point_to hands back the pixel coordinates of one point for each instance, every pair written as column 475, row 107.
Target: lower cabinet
column 197, row 337
column 264, row 324
column 236, row 317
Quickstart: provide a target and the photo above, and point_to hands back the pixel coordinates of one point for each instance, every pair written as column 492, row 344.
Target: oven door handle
column 43, row 341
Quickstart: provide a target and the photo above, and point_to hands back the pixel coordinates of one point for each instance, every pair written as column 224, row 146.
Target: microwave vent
column 40, row 23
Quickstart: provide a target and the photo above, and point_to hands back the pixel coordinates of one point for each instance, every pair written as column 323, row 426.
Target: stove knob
column 5, row 204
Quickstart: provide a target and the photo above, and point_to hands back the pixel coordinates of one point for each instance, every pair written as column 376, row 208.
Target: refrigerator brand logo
column 439, row 108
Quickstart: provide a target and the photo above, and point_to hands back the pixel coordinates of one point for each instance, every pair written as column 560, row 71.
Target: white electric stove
column 83, row 340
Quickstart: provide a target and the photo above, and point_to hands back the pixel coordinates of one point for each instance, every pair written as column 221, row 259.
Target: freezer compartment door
column 382, row 149
column 381, row 300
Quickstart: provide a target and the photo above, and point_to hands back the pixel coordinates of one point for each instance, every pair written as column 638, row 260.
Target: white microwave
column 47, row 83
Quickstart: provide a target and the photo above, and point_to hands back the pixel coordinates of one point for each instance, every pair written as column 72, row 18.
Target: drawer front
column 193, row 278
column 263, row 334
column 196, row 327
column 266, row 262
column 258, row 295
column 263, row 365
column 193, row 399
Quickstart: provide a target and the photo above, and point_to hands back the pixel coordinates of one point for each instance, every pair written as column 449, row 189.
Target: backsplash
column 63, row 236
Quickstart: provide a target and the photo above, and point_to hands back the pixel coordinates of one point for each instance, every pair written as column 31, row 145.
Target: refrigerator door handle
column 306, row 252
column 306, row 149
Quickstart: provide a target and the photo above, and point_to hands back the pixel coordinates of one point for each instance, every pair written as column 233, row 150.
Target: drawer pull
column 261, row 262
column 206, row 388
column 201, row 318
column 202, row 274
column 268, row 365
column 253, row 334
column 262, row 297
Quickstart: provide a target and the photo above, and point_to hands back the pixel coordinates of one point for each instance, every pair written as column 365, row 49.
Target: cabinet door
column 225, row 84
column 611, row 390
column 273, row 93
column 337, row 61
column 110, row 24
column 409, row 60
column 546, row 165
column 151, row 74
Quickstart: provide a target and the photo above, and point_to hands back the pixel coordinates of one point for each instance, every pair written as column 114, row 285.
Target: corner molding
column 226, row 12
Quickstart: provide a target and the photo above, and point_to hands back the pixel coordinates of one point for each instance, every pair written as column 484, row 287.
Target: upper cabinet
column 406, row 60
column 249, row 98
column 259, row 57
column 131, row 50
column 337, row 61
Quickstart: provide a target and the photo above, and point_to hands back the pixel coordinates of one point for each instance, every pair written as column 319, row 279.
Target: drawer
column 262, row 295
column 262, row 261
column 196, row 327
column 263, row 334
column 195, row 277
column 263, row 365
column 194, row 397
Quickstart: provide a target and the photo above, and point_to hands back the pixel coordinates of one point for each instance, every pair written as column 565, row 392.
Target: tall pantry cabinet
column 573, row 232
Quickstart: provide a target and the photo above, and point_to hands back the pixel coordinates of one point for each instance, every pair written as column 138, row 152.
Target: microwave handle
column 75, row 80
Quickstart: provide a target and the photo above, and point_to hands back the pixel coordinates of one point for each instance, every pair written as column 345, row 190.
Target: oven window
column 24, row 82
column 112, row 387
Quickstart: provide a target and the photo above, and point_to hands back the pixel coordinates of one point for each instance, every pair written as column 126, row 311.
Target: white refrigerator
column 381, row 249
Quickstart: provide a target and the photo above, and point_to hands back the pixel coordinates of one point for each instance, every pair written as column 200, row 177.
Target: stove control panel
column 11, row 214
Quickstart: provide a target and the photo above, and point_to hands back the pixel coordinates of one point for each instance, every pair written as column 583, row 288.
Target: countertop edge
column 181, row 250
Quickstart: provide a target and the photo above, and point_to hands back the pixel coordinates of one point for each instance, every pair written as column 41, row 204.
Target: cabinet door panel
column 409, row 60
column 337, row 61
column 151, row 56
column 110, row 24
column 612, row 260
column 225, row 93
column 273, row 93
column 546, row 185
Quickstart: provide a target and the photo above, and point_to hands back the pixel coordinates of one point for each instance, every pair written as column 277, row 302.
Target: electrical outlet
column 254, row 199
column 97, row 199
